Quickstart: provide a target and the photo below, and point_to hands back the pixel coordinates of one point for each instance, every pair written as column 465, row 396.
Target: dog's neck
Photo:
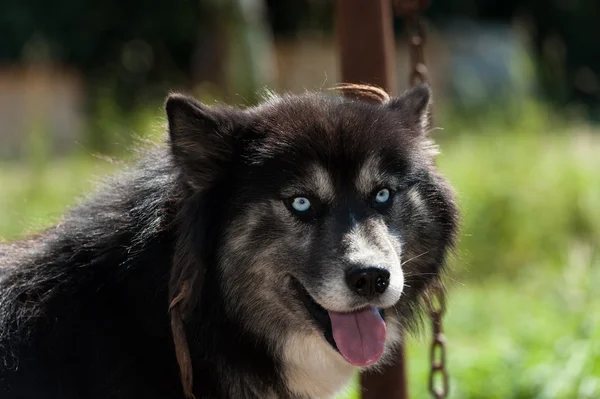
column 312, row 367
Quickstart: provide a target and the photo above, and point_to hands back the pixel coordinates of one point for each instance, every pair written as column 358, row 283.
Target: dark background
column 176, row 42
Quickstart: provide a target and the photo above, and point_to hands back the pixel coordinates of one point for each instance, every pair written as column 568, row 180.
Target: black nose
column 368, row 281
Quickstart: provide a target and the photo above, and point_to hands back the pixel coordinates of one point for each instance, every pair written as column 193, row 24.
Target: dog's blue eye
column 301, row 204
column 382, row 196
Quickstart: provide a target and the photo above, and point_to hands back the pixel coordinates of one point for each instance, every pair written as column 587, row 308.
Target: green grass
column 31, row 198
column 524, row 310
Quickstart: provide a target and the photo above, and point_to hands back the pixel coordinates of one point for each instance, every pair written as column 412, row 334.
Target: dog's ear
column 201, row 138
column 413, row 107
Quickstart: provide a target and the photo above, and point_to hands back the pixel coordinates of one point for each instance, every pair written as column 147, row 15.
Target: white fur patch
column 369, row 176
column 313, row 368
column 360, row 251
column 324, row 186
column 334, row 293
column 316, row 181
column 386, row 254
column 372, row 176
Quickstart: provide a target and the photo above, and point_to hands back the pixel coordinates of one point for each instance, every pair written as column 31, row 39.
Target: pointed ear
column 412, row 106
column 201, row 138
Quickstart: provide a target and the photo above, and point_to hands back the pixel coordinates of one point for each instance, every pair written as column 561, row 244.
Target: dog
column 264, row 252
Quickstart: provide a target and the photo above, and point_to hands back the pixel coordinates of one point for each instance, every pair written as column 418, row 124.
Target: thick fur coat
column 209, row 240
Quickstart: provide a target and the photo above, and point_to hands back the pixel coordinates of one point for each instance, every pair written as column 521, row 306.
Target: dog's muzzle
column 358, row 335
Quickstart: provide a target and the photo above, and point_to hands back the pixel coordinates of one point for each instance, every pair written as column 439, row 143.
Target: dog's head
column 331, row 217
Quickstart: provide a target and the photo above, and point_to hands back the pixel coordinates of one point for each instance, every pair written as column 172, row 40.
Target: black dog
column 264, row 253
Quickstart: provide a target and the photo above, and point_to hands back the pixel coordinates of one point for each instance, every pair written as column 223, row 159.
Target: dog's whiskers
column 413, row 258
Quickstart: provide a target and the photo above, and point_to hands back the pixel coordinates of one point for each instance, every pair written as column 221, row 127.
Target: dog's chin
column 321, row 316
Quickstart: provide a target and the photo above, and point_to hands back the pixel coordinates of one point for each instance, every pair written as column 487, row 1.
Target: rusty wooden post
column 365, row 38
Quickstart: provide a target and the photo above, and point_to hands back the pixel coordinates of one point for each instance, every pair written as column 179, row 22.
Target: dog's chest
column 313, row 369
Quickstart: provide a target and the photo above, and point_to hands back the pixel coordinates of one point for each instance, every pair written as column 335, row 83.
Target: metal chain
column 415, row 31
column 417, row 36
column 439, row 385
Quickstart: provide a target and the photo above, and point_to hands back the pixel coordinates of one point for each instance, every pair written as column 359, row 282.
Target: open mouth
column 359, row 336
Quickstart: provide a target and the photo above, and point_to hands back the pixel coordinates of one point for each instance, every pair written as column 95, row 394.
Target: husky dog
column 266, row 252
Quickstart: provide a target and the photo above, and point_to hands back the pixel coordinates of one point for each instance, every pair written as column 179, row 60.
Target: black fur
column 84, row 305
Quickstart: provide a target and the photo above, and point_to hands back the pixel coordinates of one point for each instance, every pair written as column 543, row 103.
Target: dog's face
column 335, row 218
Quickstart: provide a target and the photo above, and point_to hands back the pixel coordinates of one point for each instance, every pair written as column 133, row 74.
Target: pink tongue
column 359, row 336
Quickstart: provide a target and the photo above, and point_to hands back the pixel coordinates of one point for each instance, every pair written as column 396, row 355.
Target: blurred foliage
column 134, row 41
column 523, row 287
column 141, row 48
column 528, row 190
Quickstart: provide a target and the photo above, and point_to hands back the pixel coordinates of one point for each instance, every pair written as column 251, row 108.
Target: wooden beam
column 389, row 384
column 365, row 38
